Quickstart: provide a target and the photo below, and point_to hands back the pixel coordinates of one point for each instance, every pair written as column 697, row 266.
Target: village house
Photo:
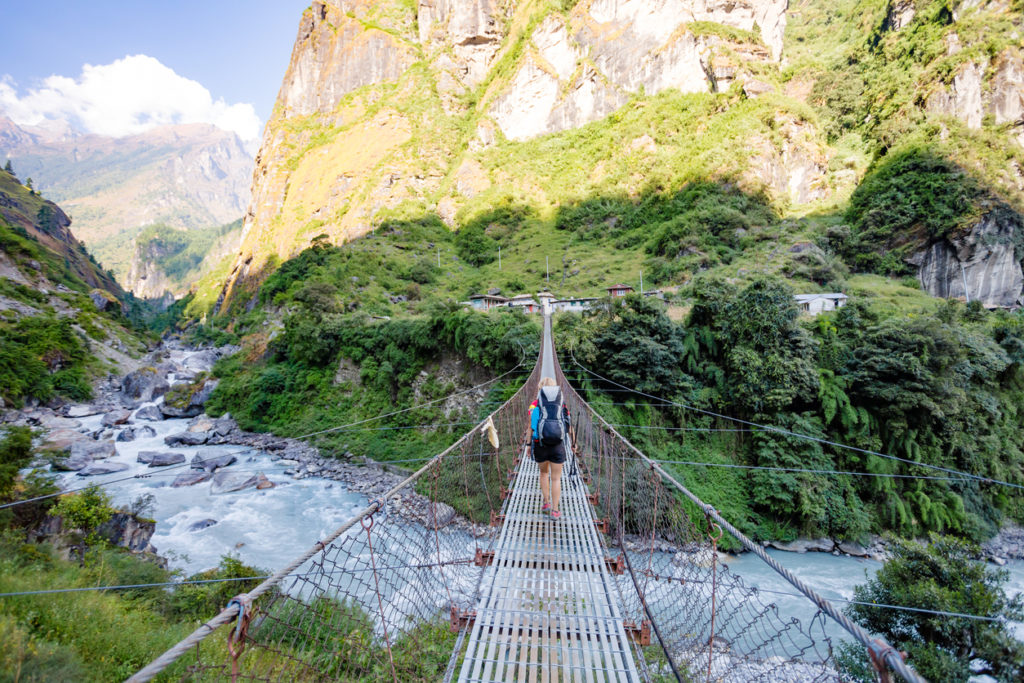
column 813, row 304
column 485, row 302
column 573, row 305
column 526, row 302
column 619, row 290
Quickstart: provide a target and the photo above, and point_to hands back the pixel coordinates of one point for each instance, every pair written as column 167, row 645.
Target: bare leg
column 545, row 480
column 556, row 485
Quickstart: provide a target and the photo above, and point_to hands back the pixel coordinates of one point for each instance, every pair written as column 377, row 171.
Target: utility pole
column 547, row 271
column 641, row 283
column 439, row 257
column 499, row 257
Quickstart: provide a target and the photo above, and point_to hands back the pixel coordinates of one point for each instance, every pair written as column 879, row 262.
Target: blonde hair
column 548, row 382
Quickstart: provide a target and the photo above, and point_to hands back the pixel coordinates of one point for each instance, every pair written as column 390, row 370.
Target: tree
column 85, row 512
column 9, row 168
column 943, row 576
column 28, row 184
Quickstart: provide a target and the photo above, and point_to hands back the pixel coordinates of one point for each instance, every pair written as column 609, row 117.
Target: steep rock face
column 980, row 87
column 793, row 167
column 985, row 260
column 48, row 225
column 385, row 103
column 1006, row 101
column 334, row 54
column 145, row 278
column 582, row 71
column 473, row 28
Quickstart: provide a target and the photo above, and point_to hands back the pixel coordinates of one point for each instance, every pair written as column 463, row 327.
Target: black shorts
column 555, row 454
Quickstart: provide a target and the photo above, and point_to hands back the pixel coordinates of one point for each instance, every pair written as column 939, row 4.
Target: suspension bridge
column 626, row 586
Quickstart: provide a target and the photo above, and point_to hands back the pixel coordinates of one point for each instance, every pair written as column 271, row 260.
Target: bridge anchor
column 641, row 634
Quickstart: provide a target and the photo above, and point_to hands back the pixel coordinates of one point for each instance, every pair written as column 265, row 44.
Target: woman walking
column 549, row 420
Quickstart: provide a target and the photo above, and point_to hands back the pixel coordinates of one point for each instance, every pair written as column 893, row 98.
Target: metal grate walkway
column 550, row 611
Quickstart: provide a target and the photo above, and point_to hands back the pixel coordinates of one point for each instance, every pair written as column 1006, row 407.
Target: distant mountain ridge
column 185, row 176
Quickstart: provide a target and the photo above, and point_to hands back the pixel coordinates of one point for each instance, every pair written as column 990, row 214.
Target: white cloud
column 129, row 96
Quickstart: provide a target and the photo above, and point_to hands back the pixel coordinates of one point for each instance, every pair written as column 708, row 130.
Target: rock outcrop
column 981, row 88
column 986, row 260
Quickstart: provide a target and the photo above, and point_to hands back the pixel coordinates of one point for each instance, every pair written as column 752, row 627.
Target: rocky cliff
column 53, row 252
column 389, row 108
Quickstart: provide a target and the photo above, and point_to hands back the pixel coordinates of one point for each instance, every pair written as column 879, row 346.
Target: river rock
column 191, row 478
column 55, row 422
column 854, row 549
column 165, row 459
column 132, row 433
column 186, row 439
column 146, row 457
column 98, row 468
column 228, row 482
column 804, row 545
column 97, row 450
column 201, row 361
column 201, row 524
column 73, row 463
column 116, row 417
column 61, row 440
column 263, row 483
column 188, row 400
column 201, row 423
column 440, row 514
column 224, row 426
column 149, row 413
column 211, row 463
column 82, row 410
column 144, row 384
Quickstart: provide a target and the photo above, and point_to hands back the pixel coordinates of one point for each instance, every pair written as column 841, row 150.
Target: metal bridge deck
column 550, row 610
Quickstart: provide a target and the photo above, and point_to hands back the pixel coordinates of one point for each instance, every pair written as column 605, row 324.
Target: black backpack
column 551, row 428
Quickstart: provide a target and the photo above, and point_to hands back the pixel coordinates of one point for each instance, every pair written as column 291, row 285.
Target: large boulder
column 191, row 478
column 165, row 459
column 211, row 463
column 97, row 450
column 201, row 361
column 201, row 524
column 228, row 482
column 144, row 384
column 149, row 413
column 187, row 400
column 83, row 410
column 116, row 417
column 98, row 468
column 186, row 439
column 55, row 422
column 73, row 463
column 132, row 433
column 804, row 545
column 61, row 440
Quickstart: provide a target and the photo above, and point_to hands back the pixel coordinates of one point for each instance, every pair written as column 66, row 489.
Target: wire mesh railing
column 390, row 595
column 706, row 622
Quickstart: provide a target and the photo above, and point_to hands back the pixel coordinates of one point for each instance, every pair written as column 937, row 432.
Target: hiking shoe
column 545, row 507
column 555, row 514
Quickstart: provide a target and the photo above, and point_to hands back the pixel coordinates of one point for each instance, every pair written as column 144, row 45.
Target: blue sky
column 237, row 49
